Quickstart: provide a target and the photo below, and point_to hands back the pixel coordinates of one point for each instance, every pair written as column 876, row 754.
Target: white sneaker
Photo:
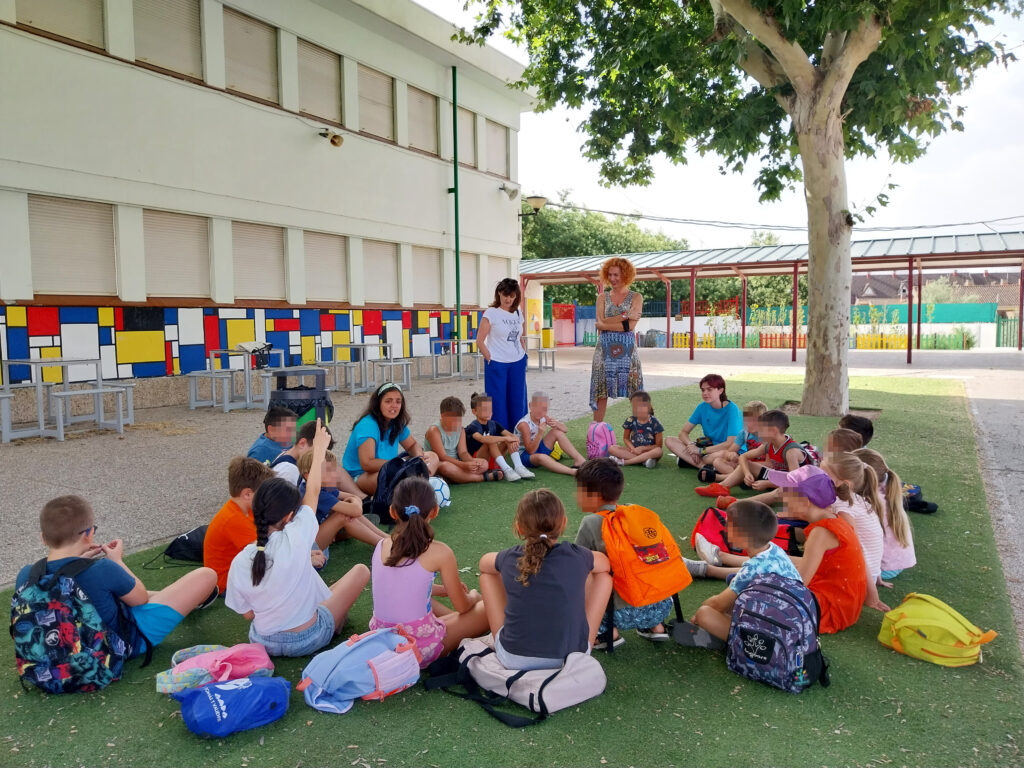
column 651, row 463
column 707, row 551
column 617, row 460
column 524, row 473
column 511, row 475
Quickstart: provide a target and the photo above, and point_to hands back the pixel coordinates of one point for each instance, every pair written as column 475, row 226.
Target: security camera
column 511, row 192
column 336, row 139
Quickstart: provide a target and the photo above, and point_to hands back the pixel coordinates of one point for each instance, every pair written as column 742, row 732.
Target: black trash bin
column 301, row 398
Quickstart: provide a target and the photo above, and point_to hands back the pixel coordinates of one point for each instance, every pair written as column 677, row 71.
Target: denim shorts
column 301, row 643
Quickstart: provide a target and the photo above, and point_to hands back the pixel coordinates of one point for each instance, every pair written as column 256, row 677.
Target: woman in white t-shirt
column 501, row 338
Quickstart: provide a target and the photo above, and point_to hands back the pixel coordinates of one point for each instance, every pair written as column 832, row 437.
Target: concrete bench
column 545, row 359
column 5, row 416
column 223, row 377
column 97, row 393
column 129, row 393
column 478, row 365
column 386, row 368
column 348, row 370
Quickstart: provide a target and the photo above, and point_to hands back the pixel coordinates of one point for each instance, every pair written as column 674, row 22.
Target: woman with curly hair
column 616, row 371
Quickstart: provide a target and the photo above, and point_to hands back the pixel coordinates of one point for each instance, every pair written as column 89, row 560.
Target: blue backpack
column 220, row 709
column 369, row 666
column 61, row 645
column 774, row 635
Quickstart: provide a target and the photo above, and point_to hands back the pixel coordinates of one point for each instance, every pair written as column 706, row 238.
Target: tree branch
column 790, row 56
column 759, row 64
column 834, row 42
column 859, row 44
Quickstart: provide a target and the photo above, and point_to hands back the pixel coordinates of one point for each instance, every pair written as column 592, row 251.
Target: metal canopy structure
column 947, row 251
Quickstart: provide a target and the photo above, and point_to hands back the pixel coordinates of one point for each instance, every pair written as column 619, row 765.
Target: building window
column 319, row 82
column 497, row 269
column 168, row 35
column 497, row 149
column 72, row 246
column 380, row 265
column 422, row 120
column 326, row 267
column 426, row 265
column 469, row 269
column 376, row 103
column 258, row 256
column 80, row 20
column 177, row 248
column 250, row 56
column 467, row 137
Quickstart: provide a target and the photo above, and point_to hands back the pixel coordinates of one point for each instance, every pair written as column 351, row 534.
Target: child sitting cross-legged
column 487, row 439
column 538, row 434
column 403, row 572
column 272, row 581
column 641, row 436
column 751, row 525
column 728, row 458
column 446, row 438
column 68, row 527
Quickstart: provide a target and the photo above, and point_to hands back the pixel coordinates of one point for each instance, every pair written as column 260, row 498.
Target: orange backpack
column 646, row 563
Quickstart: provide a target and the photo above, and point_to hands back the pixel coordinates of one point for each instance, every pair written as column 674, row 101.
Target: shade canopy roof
column 990, row 249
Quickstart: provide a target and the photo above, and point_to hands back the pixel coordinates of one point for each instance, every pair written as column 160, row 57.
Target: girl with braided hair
column 272, row 581
column 404, row 567
column 544, row 598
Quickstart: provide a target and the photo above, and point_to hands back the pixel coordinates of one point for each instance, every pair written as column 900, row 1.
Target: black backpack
column 388, row 478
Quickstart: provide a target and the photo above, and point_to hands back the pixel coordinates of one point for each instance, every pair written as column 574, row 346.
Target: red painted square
column 407, row 319
column 286, row 324
column 211, row 328
column 118, row 319
column 168, row 358
column 43, row 321
column 435, row 313
column 327, row 321
column 373, row 324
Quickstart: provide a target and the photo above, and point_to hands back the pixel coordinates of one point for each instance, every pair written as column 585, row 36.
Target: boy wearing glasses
column 69, row 531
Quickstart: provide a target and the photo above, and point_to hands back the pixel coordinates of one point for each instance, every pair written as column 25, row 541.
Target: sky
column 960, row 179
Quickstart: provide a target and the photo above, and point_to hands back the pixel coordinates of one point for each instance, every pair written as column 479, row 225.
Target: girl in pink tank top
column 402, row 576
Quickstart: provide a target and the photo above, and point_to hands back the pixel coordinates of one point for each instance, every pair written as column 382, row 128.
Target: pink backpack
column 204, row 664
column 600, row 437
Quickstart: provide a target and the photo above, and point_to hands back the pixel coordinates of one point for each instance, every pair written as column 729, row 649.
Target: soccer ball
column 442, row 492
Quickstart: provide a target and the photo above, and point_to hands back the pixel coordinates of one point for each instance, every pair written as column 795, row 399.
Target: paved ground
column 168, row 473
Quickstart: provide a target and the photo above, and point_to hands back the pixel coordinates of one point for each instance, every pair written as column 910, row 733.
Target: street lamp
column 536, row 202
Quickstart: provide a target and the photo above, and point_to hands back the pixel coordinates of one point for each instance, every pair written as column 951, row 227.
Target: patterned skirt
column 428, row 631
column 616, row 371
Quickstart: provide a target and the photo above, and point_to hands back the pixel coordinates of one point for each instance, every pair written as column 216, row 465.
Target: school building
column 178, row 176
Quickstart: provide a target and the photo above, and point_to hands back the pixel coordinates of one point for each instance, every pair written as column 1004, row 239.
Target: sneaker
column 712, row 491
column 512, row 475
column 724, row 502
column 708, row 552
column 602, row 645
column 693, row 636
column 655, row 636
column 617, row 460
column 697, row 568
column 210, row 599
column 651, row 463
column 524, row 473
column 680, row 463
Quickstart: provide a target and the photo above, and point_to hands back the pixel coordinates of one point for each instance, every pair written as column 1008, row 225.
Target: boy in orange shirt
column 232, row 528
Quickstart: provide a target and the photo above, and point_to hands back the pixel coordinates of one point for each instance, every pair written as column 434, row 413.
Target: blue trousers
column 506, row 384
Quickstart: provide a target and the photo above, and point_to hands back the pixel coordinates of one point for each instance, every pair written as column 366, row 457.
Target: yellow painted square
column 357, row 318
column 270, row 325
column 464, row 327
column 343, row 337
column 239, row 330
column 405, row 343
column 335, row 311
column 422, row 319
column 106, row 316
column 308, row 350
column 54, row 373
column 16, row 317
column 446, row 317
column 139, row 346
column 176, row 366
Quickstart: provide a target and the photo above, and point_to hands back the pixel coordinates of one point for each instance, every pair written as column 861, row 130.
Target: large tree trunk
column 826, row 381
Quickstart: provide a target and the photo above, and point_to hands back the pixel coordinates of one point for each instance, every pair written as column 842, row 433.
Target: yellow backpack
column 926, row 628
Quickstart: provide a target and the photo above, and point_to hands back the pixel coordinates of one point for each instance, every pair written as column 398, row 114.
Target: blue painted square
column 106, row 335
column 79, row 315
column 223, row 337
column 17, row 347
column 140, row 370
column 170, row 316
column 276, row 314
column 279, row 340
column 343, row 322
column 191, row 357
column 309, row 322
column 327, row 354
column 391, row 314
column 209, row 311
column 250, row 314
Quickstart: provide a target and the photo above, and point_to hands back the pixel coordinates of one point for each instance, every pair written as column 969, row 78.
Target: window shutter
column 422, row 120
column 497, row 149
column 497, row 270
column 426, row 265
column 376, row 103
column 469, row 279
column 467, row 137
column 177, row 250
column 326, row 267
column 72, row 246
column 80, row 20
column 319, row 82
column 258, row 255
column 250, row 55
column 380, row 262
column 168, row 34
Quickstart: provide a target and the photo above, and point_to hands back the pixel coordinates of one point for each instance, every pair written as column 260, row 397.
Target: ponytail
column 896, row 516
column 412, row 502
column 274, row 500
column 540, row 519
column 869, row 490
column 860, row 480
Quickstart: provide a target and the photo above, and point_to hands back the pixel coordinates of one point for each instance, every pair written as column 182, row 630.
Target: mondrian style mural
column 136, row 342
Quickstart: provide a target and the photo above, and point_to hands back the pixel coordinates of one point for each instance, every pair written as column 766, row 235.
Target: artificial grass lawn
column 664, row 705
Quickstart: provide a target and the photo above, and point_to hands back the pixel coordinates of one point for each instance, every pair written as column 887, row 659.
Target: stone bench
column 224, row 377
column 97, row 393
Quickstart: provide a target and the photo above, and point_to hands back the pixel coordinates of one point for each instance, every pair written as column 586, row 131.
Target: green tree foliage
column 942, row 291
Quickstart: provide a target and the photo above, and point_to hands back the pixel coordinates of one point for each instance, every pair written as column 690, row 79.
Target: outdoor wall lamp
column 336, row 139
column 536, row 202
column 511, row 192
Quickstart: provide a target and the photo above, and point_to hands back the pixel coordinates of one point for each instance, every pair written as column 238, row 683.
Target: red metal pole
column 743, row 316
column 796, row 267
column 668, row 313
column 1020, row 310
column 693, row 307
column 910, row 305
column 920, row 301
